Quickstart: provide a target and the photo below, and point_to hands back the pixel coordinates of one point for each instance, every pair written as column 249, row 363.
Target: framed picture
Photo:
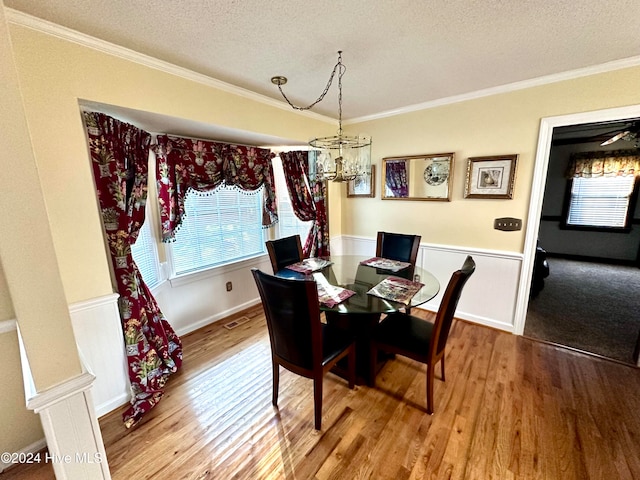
column 363, row 186
column 491, row 177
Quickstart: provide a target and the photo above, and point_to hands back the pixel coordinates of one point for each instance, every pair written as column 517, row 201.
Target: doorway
column 547, row 128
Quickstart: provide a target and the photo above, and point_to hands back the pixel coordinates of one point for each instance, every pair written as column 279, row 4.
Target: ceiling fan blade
column 616, row 137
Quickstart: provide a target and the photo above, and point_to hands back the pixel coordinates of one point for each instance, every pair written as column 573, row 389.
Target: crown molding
column 25, row 20
column 510, row 87
column 19, row 18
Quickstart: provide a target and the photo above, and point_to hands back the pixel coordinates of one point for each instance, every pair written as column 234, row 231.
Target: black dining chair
column 410, row 336
column 400, row 247
column 284, row 251
column 300, row 342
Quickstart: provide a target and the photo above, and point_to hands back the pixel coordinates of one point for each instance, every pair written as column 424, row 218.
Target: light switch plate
column 507, row 224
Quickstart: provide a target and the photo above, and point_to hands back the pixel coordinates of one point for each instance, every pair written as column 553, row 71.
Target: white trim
column 20, row 18
column 27, row 379
column 7, row 326
column 35, row 447
column 472, row 250
column 71, row 427
column 510, row 87
column 60, row 392
column 547, row 125
column 218, row 316
column 216, row 271
column 93, row 303
column 434, row 246
column 115, row 402
column 10, row 325
column 469, row 317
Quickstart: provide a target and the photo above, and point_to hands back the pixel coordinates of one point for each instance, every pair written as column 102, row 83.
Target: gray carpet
column 589, row 306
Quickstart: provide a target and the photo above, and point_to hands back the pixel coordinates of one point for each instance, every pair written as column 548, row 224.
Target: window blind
column 218, row 228
column 600, row 201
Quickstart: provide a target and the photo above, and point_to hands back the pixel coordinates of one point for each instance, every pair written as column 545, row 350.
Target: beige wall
column 30, row 287
column 28, row 259
column 6, row 308
column 496, row 125
column 54, row 75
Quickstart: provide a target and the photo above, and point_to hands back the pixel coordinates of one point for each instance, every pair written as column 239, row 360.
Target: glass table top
column 346, row 271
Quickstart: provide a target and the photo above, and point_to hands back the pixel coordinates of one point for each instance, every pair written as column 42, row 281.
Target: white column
column 74, row 440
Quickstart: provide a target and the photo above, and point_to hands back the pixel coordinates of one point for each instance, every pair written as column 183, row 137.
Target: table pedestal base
column 360, row 325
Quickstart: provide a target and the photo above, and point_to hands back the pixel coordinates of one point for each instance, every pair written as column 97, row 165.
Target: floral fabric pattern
column 202, row 165
column 307, row 204
column 604, row 164
column 120, row 154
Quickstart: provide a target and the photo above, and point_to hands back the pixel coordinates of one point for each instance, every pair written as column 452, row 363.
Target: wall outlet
column 229, row 286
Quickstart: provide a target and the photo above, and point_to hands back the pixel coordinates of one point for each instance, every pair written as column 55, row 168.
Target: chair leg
column 430, row 374
column 276, row 381
column 442, row 366
column 317, row 401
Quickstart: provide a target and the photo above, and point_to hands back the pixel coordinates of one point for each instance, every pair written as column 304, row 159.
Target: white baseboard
column 28, row 452
column 218, row 316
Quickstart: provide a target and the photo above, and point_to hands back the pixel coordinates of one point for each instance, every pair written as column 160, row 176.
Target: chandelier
column 339, row 158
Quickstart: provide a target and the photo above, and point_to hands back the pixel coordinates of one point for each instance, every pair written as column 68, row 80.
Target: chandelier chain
column 340, row 68
column 337, row 158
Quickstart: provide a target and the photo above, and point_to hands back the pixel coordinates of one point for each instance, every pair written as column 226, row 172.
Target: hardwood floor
column 511, row 408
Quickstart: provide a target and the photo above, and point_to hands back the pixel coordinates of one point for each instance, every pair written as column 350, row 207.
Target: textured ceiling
column 398, row 54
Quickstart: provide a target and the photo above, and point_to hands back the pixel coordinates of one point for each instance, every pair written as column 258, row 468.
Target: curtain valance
column 604, row 164
column 202, row 165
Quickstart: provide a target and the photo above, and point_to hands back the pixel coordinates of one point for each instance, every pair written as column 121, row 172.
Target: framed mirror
column 418, row 177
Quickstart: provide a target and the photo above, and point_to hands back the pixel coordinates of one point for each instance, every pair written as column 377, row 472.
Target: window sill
column 585, row 228
column 247, row 263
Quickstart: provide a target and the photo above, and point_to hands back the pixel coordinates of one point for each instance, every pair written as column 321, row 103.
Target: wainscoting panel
column 196, row 300
column 98, row 332
column 490, row 296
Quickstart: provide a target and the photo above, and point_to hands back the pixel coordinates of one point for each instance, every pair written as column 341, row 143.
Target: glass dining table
column 361, row 312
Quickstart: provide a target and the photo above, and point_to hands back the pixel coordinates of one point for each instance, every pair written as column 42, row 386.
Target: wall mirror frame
column 418, row 177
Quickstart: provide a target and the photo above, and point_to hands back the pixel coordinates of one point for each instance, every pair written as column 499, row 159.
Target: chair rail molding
column 490, row 296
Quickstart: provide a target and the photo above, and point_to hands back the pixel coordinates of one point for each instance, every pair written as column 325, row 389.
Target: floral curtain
column 604, row 164
column 184, row 163
column 120, row 154
column 396, row 178
column 308, row 199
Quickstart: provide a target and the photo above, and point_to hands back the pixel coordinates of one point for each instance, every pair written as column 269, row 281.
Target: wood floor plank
column 511, row 407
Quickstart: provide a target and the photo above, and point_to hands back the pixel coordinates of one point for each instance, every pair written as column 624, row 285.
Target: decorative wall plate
column 436, row 173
